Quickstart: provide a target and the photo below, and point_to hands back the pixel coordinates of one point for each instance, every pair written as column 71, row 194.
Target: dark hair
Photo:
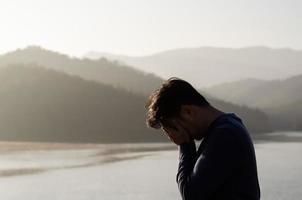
column 165, row 102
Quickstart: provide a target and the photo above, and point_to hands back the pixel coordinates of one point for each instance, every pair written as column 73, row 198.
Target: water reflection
column 129, row 171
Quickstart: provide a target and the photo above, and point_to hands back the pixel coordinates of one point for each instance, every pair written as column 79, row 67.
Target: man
column 224, row 165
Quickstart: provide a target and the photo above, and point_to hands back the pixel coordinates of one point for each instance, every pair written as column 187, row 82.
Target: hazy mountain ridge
column 280, row 99
column 101, row 70
column 258, row 77
column 207, row 66
column 260, row 93
column 44, row 105
column 39, row 104
column 51, row 103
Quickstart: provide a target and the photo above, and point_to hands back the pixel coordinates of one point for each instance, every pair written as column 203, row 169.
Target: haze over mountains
column 48, row 96
column 39, row 104
column 100, row 70
column 280, row 99
column 256, row 77
column 207, row 66
column 259, row 93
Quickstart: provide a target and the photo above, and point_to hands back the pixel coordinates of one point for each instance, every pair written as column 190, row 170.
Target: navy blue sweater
column 224, row 166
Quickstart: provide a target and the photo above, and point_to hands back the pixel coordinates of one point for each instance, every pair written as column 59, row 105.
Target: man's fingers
column 176, row 132
column 180, row 129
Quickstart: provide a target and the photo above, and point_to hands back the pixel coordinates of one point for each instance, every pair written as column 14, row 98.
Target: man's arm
column 187, row 158
column 217, row 162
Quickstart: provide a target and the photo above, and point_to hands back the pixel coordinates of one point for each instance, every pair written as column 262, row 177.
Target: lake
column 52, row 171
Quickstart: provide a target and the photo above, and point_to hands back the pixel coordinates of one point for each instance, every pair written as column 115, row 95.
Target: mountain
column 280, row 99
column 24, row 66
column 207, row 66
column 259, row 93
column 40, row 104
column 291, row 113
column 101, row 70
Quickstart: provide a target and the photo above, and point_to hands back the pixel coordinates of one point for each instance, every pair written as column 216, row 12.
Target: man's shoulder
column 231, row 121
column 231, row 127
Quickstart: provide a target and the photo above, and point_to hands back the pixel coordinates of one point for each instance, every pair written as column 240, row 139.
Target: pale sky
column 140, row 27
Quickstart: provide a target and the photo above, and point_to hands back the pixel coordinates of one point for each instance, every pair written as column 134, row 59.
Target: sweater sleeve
column 199, row 178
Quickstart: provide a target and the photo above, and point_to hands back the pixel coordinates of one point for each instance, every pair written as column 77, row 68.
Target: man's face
column 190, row 121
column 186, row 125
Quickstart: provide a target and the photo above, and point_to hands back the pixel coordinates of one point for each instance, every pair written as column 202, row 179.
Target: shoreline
column 32, row 156
column 16, row 146
column 92, row 154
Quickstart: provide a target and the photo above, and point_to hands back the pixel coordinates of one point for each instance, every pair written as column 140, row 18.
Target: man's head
column 176, row 101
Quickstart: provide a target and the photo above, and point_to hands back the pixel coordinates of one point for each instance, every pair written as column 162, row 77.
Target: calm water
column 117, row 172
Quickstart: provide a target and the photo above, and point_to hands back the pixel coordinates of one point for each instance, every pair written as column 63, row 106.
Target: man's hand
column 178, row 135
